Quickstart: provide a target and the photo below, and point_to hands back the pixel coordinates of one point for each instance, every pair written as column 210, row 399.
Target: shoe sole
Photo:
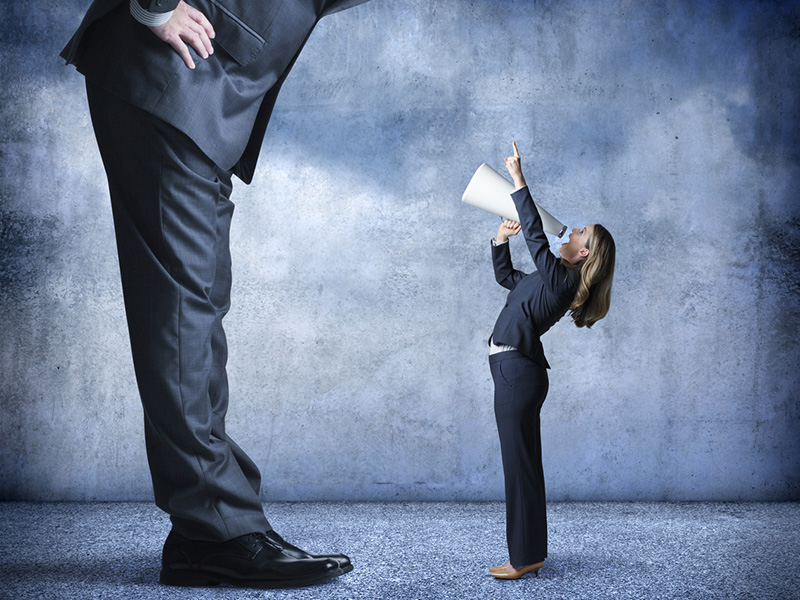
column 181, row 578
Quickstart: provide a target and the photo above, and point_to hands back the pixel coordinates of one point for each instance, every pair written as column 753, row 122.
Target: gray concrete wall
column 363, row 290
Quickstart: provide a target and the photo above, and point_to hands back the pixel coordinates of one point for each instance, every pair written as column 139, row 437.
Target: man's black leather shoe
column 342, row 559
column 249, row 560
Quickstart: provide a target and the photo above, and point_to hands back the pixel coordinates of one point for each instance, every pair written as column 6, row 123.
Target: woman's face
column 575, row 249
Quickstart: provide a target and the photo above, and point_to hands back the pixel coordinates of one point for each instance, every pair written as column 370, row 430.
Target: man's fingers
column 202, row 32
column 203, row 21
column 187, row 27
column 183, row 52
column 197, row 38
column 516, row 152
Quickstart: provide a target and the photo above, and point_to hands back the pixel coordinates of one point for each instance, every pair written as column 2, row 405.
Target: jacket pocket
column 242, row 28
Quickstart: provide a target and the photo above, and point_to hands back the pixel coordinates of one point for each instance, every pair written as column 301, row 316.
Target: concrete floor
column 426, row 550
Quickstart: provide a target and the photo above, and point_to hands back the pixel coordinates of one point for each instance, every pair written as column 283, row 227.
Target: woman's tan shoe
column 501, row 567
column 517, row 573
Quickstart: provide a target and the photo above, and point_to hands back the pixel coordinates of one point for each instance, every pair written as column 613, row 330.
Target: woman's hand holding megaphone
column 507, row 229
column 515, row 168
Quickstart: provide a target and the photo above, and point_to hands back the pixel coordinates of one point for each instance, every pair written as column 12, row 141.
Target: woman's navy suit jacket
column 537, row 300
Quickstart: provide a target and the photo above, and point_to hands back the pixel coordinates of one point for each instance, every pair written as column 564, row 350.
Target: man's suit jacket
column 225, row 103
column 538, row 300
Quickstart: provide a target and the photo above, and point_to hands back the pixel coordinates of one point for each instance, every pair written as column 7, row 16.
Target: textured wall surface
column 363, row 288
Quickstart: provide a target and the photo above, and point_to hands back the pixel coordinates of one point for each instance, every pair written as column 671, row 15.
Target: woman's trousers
column 520, row 389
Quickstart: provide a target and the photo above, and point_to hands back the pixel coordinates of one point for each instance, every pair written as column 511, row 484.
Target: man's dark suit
column 236, row 89
column 171, row 138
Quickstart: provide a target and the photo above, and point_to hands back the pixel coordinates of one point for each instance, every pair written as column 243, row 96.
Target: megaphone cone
column 490, row 191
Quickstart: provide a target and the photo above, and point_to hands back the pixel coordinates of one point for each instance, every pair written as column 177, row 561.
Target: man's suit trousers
column 520, row 387
column 172, row 215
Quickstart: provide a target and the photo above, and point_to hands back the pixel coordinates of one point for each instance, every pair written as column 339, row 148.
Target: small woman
column 578, row 282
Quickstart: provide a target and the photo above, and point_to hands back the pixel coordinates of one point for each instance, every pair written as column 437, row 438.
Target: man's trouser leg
column 172, row 217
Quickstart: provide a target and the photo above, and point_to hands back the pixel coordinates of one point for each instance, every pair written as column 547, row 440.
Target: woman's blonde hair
column 595, row 276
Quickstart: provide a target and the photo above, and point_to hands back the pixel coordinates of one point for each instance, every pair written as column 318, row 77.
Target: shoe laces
column 262, row 539
column 255, row 541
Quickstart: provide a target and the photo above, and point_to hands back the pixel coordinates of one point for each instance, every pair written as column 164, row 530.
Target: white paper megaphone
column 491, row 191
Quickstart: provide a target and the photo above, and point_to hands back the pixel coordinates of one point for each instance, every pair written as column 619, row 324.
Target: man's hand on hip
column 187, row 27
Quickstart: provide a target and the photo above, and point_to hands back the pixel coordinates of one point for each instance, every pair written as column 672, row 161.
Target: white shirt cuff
column 145, row 17
column 496, row 243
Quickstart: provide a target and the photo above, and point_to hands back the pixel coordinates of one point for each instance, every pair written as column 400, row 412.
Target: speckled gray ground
column 426, row 550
